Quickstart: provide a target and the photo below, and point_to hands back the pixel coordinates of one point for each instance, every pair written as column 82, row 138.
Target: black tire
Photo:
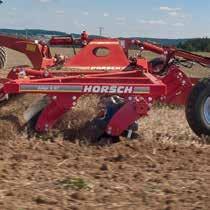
column 3, row 57
column 3, row 51
column 197, row 110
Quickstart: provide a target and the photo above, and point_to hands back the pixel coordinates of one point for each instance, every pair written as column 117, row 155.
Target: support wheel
column 198, row 108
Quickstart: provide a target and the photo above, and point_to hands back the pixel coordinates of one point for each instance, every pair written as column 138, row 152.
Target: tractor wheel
column 198, row 108
column 3, row 57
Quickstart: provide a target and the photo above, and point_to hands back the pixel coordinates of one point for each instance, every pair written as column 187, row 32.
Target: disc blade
column 35, row 108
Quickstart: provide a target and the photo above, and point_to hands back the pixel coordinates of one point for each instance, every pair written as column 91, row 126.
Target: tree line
column 198, row 44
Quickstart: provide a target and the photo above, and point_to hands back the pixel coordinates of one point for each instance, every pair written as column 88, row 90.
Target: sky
column 145, row 18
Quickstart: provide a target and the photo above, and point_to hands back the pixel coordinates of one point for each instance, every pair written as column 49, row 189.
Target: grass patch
column 74, row 183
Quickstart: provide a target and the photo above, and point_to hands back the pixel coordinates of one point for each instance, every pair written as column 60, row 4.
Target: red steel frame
column 178, row 84
column 116, row 76
column 139, row 90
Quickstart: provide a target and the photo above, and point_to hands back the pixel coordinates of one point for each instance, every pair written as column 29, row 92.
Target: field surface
column 166, row 168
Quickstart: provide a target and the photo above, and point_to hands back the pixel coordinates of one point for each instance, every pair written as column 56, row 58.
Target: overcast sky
column 145, row 18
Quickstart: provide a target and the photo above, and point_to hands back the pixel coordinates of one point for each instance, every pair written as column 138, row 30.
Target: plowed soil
column 166, row 168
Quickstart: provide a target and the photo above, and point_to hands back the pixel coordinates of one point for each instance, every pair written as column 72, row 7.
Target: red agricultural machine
column 127, row 85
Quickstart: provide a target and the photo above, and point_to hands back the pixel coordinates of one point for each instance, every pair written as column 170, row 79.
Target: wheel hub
column 206, row 110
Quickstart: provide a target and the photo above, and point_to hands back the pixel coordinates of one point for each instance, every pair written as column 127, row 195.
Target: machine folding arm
column 39, row 54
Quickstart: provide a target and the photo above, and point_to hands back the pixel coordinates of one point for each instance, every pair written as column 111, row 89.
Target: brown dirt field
column 166, row 168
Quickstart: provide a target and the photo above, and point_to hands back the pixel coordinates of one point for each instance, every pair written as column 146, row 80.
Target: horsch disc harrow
column 131, row 85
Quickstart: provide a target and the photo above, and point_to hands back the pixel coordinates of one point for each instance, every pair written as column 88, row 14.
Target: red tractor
column 128, row 85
